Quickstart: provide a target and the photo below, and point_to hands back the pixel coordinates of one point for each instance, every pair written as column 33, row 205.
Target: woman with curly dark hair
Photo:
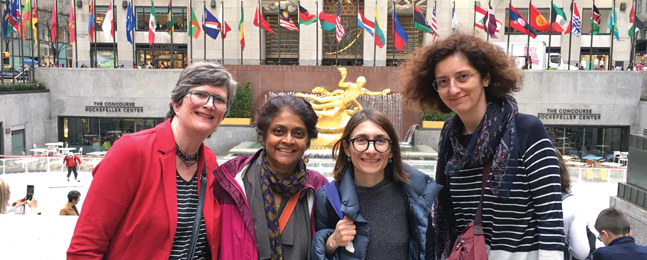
column 521, row 210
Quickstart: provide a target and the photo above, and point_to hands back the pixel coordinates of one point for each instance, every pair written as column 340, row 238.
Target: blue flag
column 6, row 17
column 130, row 23
column 210, row 24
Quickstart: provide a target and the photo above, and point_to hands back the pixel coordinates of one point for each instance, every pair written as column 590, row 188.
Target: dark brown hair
column 612, row 221
column 276, row 105
column 393, row 170
column 566, row 179
column 418, row 73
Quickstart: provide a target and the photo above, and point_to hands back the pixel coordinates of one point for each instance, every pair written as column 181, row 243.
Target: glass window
column 105, row 55
column 604, row 20
column 159, row 56
column 585, row 141
column 289, row 41
column 101, row 14
column 161, row 17
column 414, row 37
column 91, row 133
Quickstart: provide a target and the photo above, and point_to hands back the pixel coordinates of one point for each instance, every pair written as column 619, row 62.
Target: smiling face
column 197, row 119
column 285, row 142
column 369, row 162
column 462, row 96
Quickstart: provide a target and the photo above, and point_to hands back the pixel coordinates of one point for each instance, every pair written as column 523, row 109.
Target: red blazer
column 130, row 211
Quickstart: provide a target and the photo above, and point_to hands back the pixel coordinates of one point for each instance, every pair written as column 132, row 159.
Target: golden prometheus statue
column 334, row 108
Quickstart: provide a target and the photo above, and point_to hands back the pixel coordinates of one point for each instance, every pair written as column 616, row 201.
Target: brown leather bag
column 470, row 245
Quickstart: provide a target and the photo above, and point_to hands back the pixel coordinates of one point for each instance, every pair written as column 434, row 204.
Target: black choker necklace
column 188, row 160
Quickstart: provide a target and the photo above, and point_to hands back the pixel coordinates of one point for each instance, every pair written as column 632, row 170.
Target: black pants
column 69, row 171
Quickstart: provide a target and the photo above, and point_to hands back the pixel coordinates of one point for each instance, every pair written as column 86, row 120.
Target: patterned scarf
column 286, row 187
column 494, row 139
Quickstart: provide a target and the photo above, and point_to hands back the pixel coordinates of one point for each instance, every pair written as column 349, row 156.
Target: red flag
column 54, row 20
column 538, row 21
column 264, row 24
column 72, row 25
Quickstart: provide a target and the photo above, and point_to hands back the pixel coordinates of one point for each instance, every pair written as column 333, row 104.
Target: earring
column 390, row 160
column 348, row 159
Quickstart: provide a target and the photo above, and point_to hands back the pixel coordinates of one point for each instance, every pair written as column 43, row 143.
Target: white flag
column 107, row 25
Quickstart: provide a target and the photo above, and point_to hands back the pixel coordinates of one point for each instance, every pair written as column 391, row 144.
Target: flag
column 632, row 26
column 108, row 31
column 241, row 26
column 537, row 20
column 194, row 30
column 613, row 18
column 479, row 20
column 380, row 39
column 328, row 21
column 339, row 28
column 26, row 18
column 419, row 21
column 286, row 22
column 152, row 25
column 34, row 22
column 575, row 27
column 306, row 18
column 595, row 20
column 72, row 25
column 258, row 15
column 227, row 28
column 15, row 12
column 130, row 22
column 518, row 22
column 7, row 20
column 91, row 21
column 210, row 24
column 454, row 20
column 54, row 20
column 489, row 23
column 365, row 23
column 170, row 20
column 558, row 19
column 434, row 25
column 399, row 34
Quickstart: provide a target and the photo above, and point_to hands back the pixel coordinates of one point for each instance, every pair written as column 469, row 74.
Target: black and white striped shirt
column 529, row 224
column 187, row 205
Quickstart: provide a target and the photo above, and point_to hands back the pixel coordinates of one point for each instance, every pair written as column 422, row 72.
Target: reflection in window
column 604, row 20
column 101, row 14
column 90, row 133
column 161, row 16
column 414, row 37
column 583, row 141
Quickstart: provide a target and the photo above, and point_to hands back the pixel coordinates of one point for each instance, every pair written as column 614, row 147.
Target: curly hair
column 276, row 105
column 418, row 73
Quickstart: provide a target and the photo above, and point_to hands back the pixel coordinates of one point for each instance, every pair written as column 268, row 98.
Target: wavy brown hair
column 394, row 170
column 418, row 73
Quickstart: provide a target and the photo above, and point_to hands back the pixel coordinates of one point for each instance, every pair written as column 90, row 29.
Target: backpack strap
column 478, row 223
column 287, row 211
column 332, row 194
column 565, row 195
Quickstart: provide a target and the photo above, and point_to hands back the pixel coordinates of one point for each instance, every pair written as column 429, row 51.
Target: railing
column 29, row 164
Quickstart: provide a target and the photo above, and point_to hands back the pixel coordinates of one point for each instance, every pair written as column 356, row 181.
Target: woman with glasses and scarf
column 154, row 187
column 522, row 210
column 267, row 199
column 384, row 204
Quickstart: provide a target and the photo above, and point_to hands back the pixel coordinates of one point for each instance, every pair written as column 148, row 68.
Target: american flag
column 434, row 25
column 339, row 29
column 285, row 21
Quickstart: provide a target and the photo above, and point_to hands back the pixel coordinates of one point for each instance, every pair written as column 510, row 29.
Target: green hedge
column 436, row 116
column 21, row 86
column 242, row 106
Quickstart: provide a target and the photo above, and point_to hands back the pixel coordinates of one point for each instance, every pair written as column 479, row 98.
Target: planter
column 433, row 124
column 236, row 121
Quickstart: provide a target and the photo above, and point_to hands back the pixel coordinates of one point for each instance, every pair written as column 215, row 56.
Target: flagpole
column 204, row 41
column 613, row 13
column 487, row 14
column 191, row 30
column 132, row 4
column 507, row 50
column 260, row 47
column 550, row 34
column 94, row 25
column 632, row 52
column 356, row 29
column 593, row 21
column 172, row 31
column 279, row 30
column 317, row 36
column 58, row 54
column 375, row 45
column 337, row 52
column 33, row 70
column 241, row 47
column 2, row 33
column 528, row 59
column 474, row 19
column 392, row 28
column 114, row 37
column 222, row 27
column 23, row 30
column 76, row 42
column 31, row 42
column 570, row 35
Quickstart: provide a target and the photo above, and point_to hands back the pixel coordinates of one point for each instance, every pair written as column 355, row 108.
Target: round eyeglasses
column 361, row 144
column 201, row 98
column 443, row 83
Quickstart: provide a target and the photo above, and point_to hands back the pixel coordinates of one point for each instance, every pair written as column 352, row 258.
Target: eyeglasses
column 361, row 144
column 201, row 98
column 443, row 83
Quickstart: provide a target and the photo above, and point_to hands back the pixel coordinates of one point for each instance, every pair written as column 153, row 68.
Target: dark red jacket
column 71, row 163
column 130, row 211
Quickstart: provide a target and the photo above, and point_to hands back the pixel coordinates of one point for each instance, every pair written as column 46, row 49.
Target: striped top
column 529, row 224
column 187, row 205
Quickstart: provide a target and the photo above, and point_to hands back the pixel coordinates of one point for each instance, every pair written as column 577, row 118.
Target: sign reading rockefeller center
column 568, row 114
column 114, row 107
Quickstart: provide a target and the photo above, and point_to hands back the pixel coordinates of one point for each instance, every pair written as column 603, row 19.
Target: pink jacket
column 238, row 237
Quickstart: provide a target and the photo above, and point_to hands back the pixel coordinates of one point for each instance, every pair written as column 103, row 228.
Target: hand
column 20, row 202
column 33, row 205
column 344, row 233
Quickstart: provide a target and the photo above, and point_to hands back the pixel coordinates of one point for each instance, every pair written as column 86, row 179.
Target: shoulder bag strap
column 287, row 211
column 478, row 223
column 333, row 197
column 198, row 213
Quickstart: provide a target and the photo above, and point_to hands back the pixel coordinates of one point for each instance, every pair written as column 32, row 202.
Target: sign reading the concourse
column 114, row 107
column 569, row 114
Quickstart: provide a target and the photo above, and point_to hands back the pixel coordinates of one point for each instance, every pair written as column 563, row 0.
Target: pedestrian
column 72, row 161
column 615, row 232
column 575, row 224
column 73, row 198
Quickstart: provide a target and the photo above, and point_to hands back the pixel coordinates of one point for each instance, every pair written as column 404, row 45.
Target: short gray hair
column 198, row 74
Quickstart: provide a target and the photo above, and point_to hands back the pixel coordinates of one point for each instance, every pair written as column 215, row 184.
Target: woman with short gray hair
column 149, row 198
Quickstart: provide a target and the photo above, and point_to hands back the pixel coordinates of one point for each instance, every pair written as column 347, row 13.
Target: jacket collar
column 349, row 200
column 623, row 240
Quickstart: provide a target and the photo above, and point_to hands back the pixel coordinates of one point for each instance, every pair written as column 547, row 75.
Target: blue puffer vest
column 420, row 192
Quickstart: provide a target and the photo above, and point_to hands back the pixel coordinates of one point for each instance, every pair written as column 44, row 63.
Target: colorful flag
column 286, row 22
column 479, row 20
column 518, row 22
column 380, row 39
column 152, row 25
column 258, row 15
column 339, row 28
column 613, row 25
column 227, row 28
column 26, row 18
column 537, row 20
column 576, row 24
column 170, row 20
column 210, row 24
column 454, row 20
column 54, row 20
column 365, row 23
column 107, row 25
column 130, row 22
column 72, row 25
column 490, row 24
column 632, row 26
column 194, row 30
column 7, row 20
column 595, row 20
column 419, row 21
column 17, row 16
column 91, row 22
column 305, row 17
column 328, row 21
column 34, row 21
column 558, row 19
column 434, row 25
column 241, row 26
column 399, row 34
